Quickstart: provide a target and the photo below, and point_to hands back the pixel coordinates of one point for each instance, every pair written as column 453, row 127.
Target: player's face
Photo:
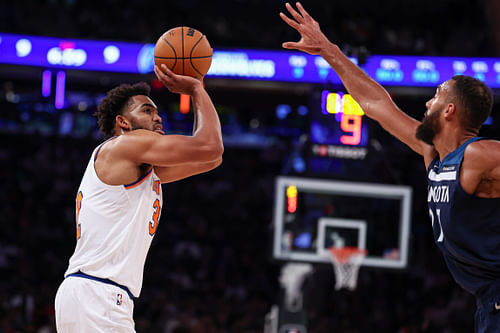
column 431, row 125
column 143, row 114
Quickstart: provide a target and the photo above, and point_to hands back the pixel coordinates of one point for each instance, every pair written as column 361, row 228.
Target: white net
column 346, row 262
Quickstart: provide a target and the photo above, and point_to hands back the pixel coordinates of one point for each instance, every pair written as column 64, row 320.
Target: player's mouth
column 158, row 129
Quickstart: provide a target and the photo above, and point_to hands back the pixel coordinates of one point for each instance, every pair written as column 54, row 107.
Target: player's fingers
column 294, row 13
column 166, row 70
column 162, row 75
column 289, row 21
column 158, row 73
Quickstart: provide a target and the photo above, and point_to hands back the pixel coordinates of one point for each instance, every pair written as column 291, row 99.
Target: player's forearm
column 366, row 91
column 207, row 124
column 195, row 121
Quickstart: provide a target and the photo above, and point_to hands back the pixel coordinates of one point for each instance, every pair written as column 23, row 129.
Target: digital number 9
column 351, row 123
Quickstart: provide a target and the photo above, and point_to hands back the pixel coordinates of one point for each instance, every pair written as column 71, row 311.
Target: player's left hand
column 179, row 84
column 312, row 40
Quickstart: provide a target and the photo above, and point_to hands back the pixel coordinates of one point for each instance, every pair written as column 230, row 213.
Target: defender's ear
column 451, row 110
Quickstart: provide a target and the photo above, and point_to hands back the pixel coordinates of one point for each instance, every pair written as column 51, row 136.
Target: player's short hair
column 476, row 99
column 114, row 104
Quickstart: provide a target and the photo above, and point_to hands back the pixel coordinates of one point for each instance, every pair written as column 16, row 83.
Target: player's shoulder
column 125, row 142
column 138, row 136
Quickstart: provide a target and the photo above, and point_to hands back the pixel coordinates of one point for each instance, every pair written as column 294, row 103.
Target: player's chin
column 159, row 131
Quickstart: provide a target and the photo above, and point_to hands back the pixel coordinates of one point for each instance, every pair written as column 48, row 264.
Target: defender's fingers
column 302, row 11
column 289, row 21
column 294, row 13
column 290, row 45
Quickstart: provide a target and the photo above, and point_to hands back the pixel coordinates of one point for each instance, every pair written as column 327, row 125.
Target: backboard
column 311, row 215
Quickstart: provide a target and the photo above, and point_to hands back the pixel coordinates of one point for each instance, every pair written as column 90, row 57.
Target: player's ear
column 122, row 122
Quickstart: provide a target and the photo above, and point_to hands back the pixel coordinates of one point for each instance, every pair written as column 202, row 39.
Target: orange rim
column 342, row 254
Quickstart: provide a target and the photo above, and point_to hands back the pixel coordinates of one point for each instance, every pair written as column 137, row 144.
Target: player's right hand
column 179, row 84
column 312, row 40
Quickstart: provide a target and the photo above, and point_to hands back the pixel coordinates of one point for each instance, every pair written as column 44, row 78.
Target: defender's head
column 463, row 100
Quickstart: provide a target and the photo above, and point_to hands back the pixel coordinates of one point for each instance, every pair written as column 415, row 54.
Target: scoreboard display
column 338, row 129
column 339, row 122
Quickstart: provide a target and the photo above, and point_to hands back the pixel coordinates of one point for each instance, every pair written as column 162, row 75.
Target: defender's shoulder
column 483, row 152
column 483, row 147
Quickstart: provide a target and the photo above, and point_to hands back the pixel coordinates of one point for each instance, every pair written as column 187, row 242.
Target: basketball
column 184, row 50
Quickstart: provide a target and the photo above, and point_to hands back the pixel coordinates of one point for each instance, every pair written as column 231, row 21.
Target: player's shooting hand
column 312, row 40
column 175, row 83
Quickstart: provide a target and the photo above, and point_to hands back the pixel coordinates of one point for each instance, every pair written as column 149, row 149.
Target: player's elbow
column 212, row 151
column 218, row 150
column 218, row 162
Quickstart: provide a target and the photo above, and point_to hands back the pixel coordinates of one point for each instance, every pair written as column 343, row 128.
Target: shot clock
column 338, row 127
column 339, row 122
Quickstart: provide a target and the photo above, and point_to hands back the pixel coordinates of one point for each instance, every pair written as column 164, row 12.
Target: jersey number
column 79, row 198
column 156, row 186
column 153, row 225
column 431, row 214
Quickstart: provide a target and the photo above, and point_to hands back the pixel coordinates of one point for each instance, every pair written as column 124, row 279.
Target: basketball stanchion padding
column 346, row 262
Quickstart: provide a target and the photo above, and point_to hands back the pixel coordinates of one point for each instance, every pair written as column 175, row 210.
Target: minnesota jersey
column 114, row 227
column 466, row 227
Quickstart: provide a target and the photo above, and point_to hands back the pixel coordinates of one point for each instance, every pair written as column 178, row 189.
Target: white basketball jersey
column 115, row 227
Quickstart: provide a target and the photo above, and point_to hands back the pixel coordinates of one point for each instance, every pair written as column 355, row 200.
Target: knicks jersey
column 466, row 227
column 115, row 226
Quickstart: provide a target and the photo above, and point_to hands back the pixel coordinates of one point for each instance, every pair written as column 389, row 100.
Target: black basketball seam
column 182, row 34
column 175, row 53
column 200, row 57
column 191, row 53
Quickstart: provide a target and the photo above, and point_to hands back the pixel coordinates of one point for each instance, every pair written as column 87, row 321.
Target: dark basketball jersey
column 466, row 227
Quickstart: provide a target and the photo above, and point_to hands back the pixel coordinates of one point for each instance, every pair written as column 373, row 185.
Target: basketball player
column 119, row 200
column 463, row 170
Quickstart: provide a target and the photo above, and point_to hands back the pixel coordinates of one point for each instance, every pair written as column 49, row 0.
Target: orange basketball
column 184, row 50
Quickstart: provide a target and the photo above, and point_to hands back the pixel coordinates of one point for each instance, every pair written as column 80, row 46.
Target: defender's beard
column 428, row 129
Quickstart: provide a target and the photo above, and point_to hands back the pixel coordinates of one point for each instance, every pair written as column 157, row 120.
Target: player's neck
column 449, row 140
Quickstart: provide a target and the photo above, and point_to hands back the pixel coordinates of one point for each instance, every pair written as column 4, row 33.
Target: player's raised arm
column 205, row 145
column 371, row 96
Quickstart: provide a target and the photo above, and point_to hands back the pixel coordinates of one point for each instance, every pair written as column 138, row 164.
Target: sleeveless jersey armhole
column 100, row 146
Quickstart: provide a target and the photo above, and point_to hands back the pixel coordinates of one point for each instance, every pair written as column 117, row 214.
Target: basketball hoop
column 346, row 262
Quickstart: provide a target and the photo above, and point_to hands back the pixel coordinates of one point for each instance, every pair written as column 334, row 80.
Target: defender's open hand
column 312, row 40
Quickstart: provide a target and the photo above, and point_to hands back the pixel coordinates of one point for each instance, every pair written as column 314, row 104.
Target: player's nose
column 157, row 118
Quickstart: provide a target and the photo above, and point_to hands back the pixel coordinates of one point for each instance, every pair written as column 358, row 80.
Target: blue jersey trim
column 456, row 156
column 107, row 281
column 100, row 146
column 138, row 181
